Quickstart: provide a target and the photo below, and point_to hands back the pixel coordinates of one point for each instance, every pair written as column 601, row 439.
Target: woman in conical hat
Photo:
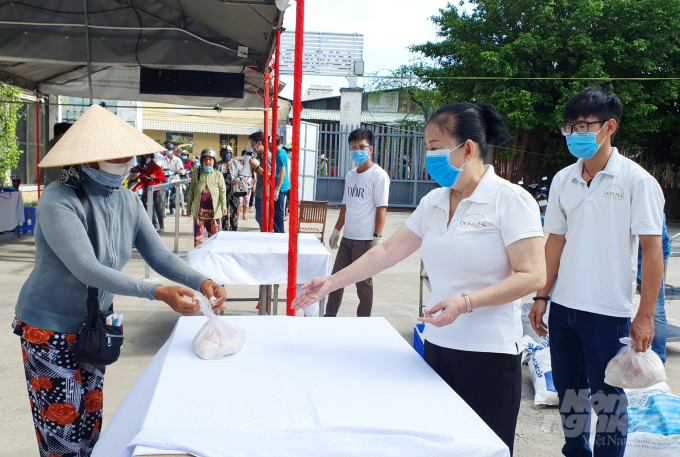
column 87, row 209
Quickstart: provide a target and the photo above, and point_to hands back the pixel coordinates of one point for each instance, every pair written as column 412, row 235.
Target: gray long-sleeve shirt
column 55, row 297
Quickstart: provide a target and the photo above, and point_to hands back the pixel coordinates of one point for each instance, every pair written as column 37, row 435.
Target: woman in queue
column 86, row 227
column 207, row 197
column 482, row 244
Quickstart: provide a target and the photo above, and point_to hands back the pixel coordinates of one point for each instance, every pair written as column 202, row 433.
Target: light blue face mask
column 358, row 156
column 441, row 169
column 104, row 178
column 584, row 145
column 208, row 169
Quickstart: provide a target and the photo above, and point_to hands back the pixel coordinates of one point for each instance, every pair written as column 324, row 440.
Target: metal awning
column 189, row 127
column 43, row 45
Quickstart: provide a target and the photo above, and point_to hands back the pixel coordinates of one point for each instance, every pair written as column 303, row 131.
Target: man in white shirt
column 597, row 210
column 364, row 207
column 174, row 170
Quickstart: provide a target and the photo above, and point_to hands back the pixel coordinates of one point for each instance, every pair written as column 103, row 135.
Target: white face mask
column 120, row 169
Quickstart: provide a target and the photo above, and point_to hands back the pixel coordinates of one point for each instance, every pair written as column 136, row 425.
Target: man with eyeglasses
column 597, row 210
column 363, row 212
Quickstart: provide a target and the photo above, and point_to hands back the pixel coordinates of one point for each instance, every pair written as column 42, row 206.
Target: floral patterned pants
column 65, row 395
column 199, row 229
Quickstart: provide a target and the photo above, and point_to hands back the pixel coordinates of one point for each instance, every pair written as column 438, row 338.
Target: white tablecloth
column 11, row 210
column 254, row 258
column 300, row 387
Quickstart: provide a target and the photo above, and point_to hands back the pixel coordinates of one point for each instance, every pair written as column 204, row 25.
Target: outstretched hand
column 314, row 290
column 450, row 308
column 174, row 296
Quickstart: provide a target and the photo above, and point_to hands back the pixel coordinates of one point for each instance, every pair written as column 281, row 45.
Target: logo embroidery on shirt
column 613, row 191
column 474, row 221
column 355, row 192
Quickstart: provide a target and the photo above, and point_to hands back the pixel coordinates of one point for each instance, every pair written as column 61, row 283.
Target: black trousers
column 490, row 383
column 158, row 210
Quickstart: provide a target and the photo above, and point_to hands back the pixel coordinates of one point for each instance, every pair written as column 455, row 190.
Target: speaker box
column 191, row 83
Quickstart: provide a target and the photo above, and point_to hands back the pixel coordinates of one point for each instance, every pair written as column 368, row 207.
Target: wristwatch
column 377, row 235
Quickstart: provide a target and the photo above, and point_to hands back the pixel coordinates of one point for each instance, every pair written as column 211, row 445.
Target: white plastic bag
column 634, row 370
column 537, row 354
column 217, row 338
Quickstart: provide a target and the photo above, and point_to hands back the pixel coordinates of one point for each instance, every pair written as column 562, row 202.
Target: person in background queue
column 151, row 174
column 481, row 240
column 257, row 144
column 174, row 170
column 230, row 169
column 186, row 164
column 207, row 197
column 282, row 187
column 66, row 395
column 245, row 175
column 363, row 213
column 598, row 208
column 50, row 175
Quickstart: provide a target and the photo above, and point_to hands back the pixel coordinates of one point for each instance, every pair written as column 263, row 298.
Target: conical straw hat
column 96, row 136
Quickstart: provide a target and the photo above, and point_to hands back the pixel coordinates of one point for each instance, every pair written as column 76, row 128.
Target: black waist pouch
column 98, row 343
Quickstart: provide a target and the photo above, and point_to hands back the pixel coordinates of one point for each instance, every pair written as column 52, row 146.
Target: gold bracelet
column 467, row 303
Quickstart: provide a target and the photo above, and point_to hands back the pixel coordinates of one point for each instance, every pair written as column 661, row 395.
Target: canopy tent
column 44, row 46
column 100, row 48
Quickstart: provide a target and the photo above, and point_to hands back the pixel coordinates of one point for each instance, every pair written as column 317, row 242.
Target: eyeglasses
column 579, row 127
column 363, row 147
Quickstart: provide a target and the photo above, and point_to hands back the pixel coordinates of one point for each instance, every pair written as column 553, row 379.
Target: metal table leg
column 322, row 307
column 263, row 301
column 276, row 300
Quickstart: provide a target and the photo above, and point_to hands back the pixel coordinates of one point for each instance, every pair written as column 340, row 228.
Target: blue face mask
column 441, row 169
column 358, row 156
column 169, row 153
column 185, row 158
column 584, row 145
column 208, row 169
column 104, row 178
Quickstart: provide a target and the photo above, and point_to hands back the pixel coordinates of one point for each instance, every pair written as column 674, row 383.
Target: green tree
column 9, row 115
column 564, row 43
column 422, row 95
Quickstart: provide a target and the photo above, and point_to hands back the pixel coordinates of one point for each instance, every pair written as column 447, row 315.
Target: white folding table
column 259, row 259
column 11, row 211
column 300, row 387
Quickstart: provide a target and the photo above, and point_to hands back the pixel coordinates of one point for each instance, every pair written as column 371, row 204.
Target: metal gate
column 399, row 151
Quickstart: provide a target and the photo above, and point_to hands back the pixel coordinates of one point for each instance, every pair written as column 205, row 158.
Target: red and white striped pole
column 295, row 162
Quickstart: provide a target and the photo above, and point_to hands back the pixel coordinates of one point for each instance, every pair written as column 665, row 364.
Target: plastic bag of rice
column 217, row 338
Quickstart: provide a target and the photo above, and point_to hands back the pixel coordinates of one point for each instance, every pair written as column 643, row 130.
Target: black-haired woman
column 482, row 244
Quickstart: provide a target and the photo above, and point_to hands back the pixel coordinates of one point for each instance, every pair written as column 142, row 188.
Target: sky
column 388, row 26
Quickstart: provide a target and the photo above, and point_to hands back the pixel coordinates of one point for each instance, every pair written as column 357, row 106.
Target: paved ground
column 148, row 324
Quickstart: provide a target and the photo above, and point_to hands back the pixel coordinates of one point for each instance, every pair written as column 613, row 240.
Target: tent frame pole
column 291, row 293
column 87, row 52
column 265, row 194
column 275, row 113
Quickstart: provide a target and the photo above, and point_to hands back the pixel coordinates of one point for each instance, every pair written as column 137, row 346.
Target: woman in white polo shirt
column 482, row 244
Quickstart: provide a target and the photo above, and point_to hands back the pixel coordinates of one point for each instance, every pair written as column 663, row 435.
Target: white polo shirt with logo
column 470, row 255
column 601, row 224
column 364, row 193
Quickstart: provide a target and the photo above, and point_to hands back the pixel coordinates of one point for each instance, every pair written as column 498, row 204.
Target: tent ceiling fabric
column 53, row 59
